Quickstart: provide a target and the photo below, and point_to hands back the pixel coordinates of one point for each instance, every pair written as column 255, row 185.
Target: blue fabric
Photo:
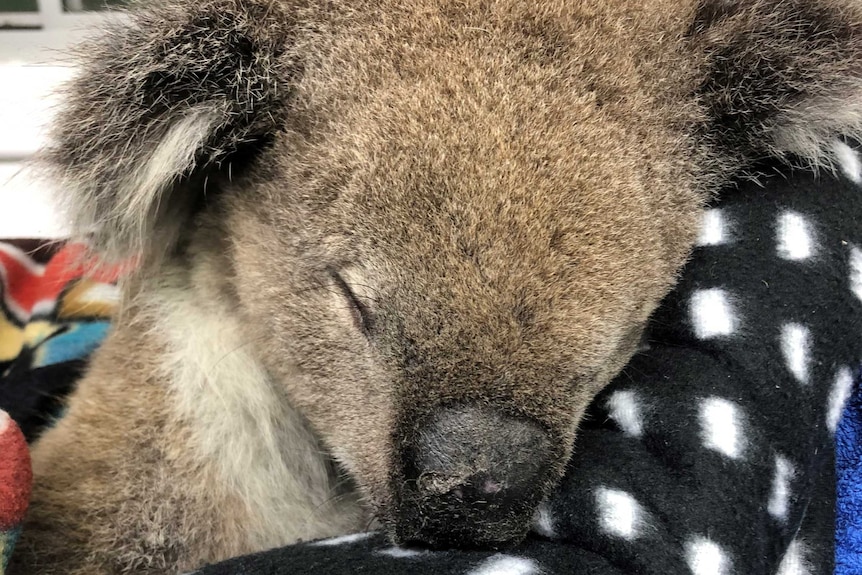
column 77, row 342
column 7, row 545
column 848, row 460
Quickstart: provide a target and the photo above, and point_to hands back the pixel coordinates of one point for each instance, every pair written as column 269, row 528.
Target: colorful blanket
column 15, row 482
column 714, row 453
column 51, row 320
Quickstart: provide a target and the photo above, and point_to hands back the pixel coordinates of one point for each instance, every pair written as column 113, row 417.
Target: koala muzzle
column 472, row 478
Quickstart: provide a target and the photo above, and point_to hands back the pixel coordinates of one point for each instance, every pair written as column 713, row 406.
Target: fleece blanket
column 713, row 453
column 51, row 320
column 848, row 535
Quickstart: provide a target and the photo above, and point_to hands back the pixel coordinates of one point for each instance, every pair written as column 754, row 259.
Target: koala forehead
column 474, row 253
column 493, row 109
column 531, row 180
column 476, row 191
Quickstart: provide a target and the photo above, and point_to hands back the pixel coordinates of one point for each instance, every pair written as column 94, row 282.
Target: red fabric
column 16, row 475
column 29, row 283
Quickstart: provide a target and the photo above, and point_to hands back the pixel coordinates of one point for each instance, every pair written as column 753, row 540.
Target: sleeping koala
column 389, row 251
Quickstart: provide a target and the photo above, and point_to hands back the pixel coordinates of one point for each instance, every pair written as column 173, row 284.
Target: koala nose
column 472, row 478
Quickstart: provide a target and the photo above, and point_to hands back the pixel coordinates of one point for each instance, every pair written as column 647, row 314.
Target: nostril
column 433, row 484
column 438, row 484
column 492, row 487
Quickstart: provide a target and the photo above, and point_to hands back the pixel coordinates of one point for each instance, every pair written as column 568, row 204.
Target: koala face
column 447, row 281
column 447, row 224
column 436, row 302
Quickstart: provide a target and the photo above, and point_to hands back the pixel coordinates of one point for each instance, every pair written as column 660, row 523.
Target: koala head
column 448, row 222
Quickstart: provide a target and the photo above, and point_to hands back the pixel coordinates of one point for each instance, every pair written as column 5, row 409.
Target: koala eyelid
column 361, row 313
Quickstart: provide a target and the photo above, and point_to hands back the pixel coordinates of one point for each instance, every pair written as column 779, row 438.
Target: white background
column 33, row 65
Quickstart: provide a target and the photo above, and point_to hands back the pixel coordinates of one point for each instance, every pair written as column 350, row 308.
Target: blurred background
column 35, row 41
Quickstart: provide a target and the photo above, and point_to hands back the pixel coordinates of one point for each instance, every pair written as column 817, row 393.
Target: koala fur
column 350, row 215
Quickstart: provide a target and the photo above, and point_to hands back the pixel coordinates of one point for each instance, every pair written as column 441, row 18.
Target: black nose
column 472, row 478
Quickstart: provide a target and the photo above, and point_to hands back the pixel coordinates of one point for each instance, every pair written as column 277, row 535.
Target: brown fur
column 507, row 188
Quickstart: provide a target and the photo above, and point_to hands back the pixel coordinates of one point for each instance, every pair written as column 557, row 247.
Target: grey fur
column 779, row 78
column 226, row 63
column 356, row 213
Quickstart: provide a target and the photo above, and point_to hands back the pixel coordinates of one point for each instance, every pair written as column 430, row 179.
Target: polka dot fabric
column 713, row 453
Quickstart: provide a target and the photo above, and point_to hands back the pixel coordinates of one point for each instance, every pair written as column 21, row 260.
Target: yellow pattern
column 11, row 339
column 82, row 299
column 38, row 331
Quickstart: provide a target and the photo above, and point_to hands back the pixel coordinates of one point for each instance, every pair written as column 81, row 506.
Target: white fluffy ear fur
column 172, row 157
column 783, row 77
column 145, row 199
column 812, row 129
column 160, row 105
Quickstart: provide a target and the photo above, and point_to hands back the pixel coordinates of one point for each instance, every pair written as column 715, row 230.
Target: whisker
column 228, row 354
column 336, row 496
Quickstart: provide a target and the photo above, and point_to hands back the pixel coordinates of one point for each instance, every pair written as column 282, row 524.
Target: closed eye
column 361, row 313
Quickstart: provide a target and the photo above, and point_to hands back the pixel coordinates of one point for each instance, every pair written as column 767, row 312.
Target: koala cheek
column 354, row 419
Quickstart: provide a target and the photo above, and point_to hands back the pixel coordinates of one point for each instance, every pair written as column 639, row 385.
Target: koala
column 388, row 251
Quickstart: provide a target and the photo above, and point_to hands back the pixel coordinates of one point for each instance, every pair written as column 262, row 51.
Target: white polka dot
column 795, row 561
column 343, row 539
column 620, row 514
column 624, row 408
column 794, row 237
column 713, row 230
column 5, row 421
column 795, row 344
column 848, row 160
column 720, row 426
column 838, row 396
column 779, row 500
column 856, row 271
column 543, row 521
column 711, row 314
column 705, row 557
column 506, row 565
column 401, row 552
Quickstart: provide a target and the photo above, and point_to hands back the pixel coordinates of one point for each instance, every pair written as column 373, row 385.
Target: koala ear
column 165, row 102
column 782, row 77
